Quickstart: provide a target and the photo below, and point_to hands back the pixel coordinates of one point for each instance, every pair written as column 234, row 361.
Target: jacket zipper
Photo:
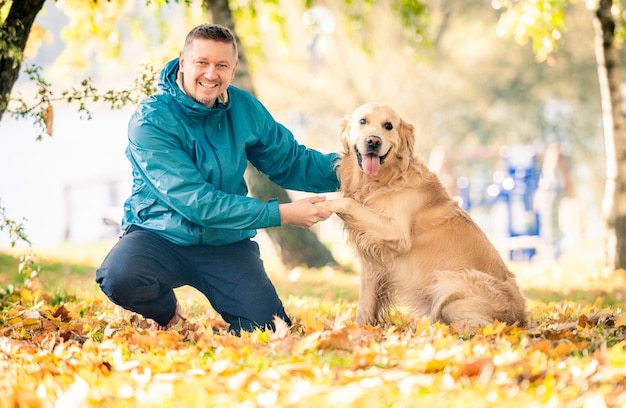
column 210, row 144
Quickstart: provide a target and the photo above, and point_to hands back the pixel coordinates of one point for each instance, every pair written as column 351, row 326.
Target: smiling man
column 189, row 220
column 206, row 68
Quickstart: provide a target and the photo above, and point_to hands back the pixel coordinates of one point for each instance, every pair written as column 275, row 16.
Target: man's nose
column 211, row 71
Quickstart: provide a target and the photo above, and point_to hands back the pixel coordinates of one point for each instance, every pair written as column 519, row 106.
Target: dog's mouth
column 370, row 163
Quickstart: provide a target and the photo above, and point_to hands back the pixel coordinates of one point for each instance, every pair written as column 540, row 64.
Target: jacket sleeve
column 168, row 171
column 289, row 164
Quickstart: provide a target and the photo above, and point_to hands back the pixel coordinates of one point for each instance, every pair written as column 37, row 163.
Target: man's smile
column 208, row 84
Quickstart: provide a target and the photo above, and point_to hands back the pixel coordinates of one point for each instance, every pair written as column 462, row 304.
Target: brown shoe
column 175, row 319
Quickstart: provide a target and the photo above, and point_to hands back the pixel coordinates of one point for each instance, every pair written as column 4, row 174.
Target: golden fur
column 416, row 246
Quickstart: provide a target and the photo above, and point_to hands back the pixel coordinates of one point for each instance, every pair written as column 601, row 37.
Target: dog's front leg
column 367, row 310
column 361, row 218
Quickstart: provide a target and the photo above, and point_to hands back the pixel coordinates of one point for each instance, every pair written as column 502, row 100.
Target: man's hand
column 304, row 212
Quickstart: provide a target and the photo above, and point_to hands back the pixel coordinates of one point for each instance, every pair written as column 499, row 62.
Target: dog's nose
column 373, row 143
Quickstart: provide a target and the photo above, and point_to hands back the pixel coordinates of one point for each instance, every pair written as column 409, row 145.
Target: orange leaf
column 62, row 313
column 339, row 340
column 48, row 325
column 562, row 349
column 475, row 367
column 48, row 119
column 542, row 346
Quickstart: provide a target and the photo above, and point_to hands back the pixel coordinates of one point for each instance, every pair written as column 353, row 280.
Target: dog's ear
column 407, row 131
column 344, row 128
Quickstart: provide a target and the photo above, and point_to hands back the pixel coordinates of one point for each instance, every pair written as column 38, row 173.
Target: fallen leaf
column 336, row 339
column 543, row 346
column 621, row 320
column 562, row 349
column 494, row 328
column 475, row 367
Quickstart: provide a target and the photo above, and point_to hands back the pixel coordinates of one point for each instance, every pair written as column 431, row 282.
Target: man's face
column 208, row 67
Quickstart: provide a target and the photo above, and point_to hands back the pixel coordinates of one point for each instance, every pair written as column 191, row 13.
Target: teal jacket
column 188, row 163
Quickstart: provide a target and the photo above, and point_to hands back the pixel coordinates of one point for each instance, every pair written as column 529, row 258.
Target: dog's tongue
column 371, row 164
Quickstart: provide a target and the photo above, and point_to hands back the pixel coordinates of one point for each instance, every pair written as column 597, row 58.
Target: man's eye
column 388, row 126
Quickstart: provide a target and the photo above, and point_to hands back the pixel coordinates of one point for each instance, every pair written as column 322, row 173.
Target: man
column 188, row 220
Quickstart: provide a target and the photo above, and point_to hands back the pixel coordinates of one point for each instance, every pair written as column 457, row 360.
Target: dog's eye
column 362, row 121
column 388, row 126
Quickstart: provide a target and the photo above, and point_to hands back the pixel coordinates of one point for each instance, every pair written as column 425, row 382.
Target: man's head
column 208, row 62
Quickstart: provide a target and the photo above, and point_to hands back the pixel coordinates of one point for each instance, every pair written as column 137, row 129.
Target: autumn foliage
column 81, row 351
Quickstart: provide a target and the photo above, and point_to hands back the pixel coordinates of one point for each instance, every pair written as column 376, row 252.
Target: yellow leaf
column 621, row 320
column 27, row 296
column 434, row 366
column 311, row 322
column 31, row 322
column 494, row 328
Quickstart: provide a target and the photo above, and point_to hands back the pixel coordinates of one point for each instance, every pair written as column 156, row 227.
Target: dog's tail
column 471, row 298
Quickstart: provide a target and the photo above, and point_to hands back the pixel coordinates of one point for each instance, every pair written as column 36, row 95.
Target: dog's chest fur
column 410, row 206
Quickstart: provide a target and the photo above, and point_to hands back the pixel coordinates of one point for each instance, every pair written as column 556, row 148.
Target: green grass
column 61, row 274
column 54, row 275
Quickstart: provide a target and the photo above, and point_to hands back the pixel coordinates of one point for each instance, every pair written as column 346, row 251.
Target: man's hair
column 215, row 32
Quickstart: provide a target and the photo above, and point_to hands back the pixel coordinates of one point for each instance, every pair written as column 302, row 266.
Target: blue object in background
column 518, row 190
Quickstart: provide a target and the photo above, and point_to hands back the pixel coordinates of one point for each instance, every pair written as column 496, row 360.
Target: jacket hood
column 167, row 84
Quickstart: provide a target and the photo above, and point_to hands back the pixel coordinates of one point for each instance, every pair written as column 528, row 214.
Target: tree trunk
column 614, row 126
column 13, row 35
column 296, row 246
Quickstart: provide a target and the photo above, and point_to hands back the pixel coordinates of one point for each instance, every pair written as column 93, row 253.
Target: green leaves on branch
column 29, row 265
column 540, row 21
column 543, row 22
column 40, row 111
column 15, row 229
column 414, row 16
column 9, row 50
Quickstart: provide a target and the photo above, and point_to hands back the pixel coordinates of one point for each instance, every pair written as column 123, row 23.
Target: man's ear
column 232, row 76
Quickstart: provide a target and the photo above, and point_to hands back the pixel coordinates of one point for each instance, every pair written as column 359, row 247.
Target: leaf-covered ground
column 78, row 350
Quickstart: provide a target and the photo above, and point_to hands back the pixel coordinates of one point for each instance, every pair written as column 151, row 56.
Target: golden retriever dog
column 416, row 246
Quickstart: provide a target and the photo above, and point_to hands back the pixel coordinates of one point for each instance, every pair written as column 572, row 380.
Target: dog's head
column 377, row 136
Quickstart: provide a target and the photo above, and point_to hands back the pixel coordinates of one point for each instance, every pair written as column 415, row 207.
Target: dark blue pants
column 142, row 269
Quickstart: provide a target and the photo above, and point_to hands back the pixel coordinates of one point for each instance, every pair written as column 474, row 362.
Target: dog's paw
column 363, row 319
column 327, row 205
column 339, row 205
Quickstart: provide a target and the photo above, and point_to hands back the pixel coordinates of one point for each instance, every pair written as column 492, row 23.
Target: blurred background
column 518, row 141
